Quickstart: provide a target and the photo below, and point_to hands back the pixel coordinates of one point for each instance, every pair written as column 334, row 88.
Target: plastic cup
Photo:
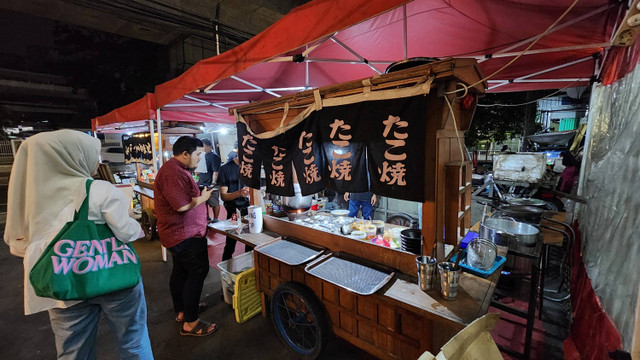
column 379, row 224
column 426, row 271
column 255, row 219
column 449, row 280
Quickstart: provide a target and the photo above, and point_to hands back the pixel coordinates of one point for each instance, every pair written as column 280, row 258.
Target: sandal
column 202, row 306
column 196, row 331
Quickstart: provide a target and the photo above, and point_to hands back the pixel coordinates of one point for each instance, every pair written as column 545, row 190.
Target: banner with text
column 375, row 145
column 137, row 149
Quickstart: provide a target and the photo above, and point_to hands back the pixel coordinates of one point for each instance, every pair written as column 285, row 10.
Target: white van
column 112, row 154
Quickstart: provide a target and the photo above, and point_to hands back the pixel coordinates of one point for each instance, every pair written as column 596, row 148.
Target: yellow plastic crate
column 246, row 298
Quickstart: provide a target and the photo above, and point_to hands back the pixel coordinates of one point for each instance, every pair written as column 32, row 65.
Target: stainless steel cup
column 449, row 279
column 426, row 271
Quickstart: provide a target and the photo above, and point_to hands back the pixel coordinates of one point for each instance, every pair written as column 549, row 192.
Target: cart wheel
column 400, row 219
column 148, row 222
column 299, row 320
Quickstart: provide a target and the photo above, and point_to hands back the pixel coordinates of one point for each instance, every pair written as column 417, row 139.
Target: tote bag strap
column 83, row 212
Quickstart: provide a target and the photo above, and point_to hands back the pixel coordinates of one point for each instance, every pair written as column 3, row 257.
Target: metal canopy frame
column 358, row 59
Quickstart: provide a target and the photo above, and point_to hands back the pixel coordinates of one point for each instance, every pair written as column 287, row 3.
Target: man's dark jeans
column 230, row 244
column 190, row 268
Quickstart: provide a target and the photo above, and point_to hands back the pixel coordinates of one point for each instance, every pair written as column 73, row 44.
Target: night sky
column 88, row 59
column 17, row 31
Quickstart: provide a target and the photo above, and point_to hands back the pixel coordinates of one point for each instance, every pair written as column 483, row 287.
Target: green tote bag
column 85, row 260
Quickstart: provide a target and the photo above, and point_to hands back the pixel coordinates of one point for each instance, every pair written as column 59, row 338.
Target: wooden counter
column 398, row 321
column 253, row 240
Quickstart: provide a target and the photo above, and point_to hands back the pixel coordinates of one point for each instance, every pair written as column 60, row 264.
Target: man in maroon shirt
column 182, row 225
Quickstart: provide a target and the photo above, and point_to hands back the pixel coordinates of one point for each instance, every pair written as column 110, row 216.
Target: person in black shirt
column 210, row 177
column 235, row 196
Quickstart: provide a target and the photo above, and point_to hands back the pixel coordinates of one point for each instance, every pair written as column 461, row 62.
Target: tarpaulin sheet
column 610, row 221
column 593, row 335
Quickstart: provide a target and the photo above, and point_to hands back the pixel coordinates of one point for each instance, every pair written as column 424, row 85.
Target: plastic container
column 370, row 231
column 229, row 271
column 379, row 224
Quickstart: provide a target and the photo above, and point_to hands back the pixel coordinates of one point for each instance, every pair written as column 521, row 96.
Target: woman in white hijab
column 46, row 187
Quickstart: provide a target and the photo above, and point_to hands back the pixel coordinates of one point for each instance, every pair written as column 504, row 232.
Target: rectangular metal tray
column 360, row 279
column 288, row 252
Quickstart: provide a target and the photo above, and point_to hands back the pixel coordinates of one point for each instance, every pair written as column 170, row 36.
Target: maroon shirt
column 173, row 189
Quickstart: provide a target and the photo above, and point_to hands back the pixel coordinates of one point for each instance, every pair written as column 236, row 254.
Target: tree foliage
column 493, row 120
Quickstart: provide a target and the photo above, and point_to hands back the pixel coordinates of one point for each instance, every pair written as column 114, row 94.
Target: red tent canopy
column 134, row 117
column 133, row 114
column 326, row 42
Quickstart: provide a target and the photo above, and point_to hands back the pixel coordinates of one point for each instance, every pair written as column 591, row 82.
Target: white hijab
column 48, row 170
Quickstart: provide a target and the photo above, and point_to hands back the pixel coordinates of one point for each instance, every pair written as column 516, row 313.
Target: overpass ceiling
column 162, row 21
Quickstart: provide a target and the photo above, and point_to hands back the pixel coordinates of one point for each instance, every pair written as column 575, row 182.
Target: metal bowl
column 340, row 212
column 293, row 214
column 481, row 254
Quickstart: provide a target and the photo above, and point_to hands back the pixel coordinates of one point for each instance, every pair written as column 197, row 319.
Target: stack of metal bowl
column 411, row 240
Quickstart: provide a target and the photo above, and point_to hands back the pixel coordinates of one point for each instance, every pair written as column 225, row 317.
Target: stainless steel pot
column 506, row 232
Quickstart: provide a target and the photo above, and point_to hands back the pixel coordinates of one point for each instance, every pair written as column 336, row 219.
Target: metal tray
column 475, row 271
column 360, row 279
column 288, row 252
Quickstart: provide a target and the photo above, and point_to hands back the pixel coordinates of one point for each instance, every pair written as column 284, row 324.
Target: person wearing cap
column 209, row 178
column 234, row 195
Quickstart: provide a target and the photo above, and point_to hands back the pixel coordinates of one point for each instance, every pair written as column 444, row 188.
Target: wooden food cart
column 398, row 320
